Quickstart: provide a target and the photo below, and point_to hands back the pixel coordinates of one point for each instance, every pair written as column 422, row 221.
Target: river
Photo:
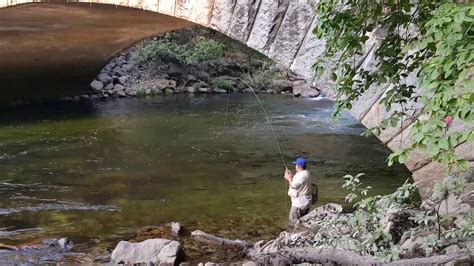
column 101, row 169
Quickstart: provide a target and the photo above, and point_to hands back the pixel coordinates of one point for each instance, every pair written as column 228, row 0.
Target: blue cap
column 300, row 162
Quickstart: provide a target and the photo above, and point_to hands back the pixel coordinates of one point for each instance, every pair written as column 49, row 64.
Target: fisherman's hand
column 288, row 175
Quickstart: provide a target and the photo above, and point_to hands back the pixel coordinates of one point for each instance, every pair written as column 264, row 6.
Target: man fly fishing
column 300, row 190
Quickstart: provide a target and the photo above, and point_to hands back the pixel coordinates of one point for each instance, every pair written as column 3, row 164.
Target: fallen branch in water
column 8, row 247
column 215, row 240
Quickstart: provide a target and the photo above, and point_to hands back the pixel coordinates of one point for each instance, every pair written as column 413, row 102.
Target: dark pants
column 296, row 213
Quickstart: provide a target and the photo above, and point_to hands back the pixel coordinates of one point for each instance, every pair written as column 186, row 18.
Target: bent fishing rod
column 269, row 123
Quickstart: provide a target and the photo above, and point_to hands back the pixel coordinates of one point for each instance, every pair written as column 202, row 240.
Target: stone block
column 311, row 49
column 292, row 32
column 377, row 113
column 201, row 12
column 222, row 15
column 267, row 23
column 417, row 158
column 166, row 7
column 428, row 175
column 182, row 8
column 150, row 5
column 243, row 18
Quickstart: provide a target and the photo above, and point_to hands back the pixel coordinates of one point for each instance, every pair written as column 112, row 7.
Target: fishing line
column 269, row 123
column 274, row 135
column 226, row 108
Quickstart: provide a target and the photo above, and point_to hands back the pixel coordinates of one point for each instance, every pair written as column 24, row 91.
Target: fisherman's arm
column 293, row 182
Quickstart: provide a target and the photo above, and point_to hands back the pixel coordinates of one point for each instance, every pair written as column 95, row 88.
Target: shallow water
column 103, row 169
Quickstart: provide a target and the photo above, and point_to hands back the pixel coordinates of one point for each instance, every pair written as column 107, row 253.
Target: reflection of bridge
column 279, row 29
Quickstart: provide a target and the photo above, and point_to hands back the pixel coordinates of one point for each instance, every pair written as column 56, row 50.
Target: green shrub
column 205, row 50
column 223, row 84
column 196, row 49
column 141, row 93
column 261, row 77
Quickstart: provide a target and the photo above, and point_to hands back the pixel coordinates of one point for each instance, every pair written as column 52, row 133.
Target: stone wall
column 282, row 30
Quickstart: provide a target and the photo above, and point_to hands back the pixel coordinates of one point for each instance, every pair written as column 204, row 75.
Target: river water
column 103, row 169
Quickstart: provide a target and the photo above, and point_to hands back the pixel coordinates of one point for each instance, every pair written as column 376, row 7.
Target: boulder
column 176, row 228
column 122, row 94
column 104, row 78
column 190, row 89
column 131, row 92
column 162, row 84
column 203, row 75
column 65, row 243
column 118, row 71
column 282, row 85
column 330, row 211
column 118, row 88
column 204, row 89
column 191, row 78
column 169, row 91
column 127, row 67
column 453, row 249
column 97, row 85
column 199, row 84
column 122, row 79
column 151, row 251
column 220, row 90
column 109, row 87
column 303, row 89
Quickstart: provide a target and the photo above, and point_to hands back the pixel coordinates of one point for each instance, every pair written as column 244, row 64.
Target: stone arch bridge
column 282, row 30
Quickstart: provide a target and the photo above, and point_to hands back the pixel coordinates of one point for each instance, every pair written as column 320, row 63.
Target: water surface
column 103, row 169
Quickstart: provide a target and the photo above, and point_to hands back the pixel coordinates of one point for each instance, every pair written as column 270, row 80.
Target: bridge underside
column 75, row 42
column 55, row 50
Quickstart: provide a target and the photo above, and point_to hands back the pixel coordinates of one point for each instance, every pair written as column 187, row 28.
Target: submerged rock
column 65, row 243
column 151, row 251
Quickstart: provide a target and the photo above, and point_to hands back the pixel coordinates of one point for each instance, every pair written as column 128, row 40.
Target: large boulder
column 151, row 251
column 162, row 84
column 97, row 85
column 282, row 85
column 304, row 89
column 330, row 211
column 104, row 78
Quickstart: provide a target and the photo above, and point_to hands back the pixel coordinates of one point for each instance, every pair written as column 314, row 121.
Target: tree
column 431, row 39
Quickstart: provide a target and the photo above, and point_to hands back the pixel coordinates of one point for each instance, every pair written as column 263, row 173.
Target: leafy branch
column 424, row 54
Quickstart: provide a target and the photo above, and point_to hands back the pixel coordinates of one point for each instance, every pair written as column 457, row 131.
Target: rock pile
column 113, row 78
column 125, row 77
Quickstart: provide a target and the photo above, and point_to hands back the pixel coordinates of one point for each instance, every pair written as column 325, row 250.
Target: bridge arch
column 282, row 30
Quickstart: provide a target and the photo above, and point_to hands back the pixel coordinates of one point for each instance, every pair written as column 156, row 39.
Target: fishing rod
column 226, row 108
column 269, row 123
